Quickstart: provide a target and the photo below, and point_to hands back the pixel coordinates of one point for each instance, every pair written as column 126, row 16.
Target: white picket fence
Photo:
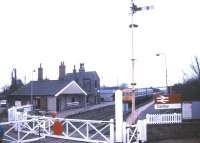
column 164, row 118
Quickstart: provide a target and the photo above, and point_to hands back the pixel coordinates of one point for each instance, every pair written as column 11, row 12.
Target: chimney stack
column 14, row 76
column 74, row 70
column 81, row 69
column 40, row 73
column 15, row 71
column 61, row 71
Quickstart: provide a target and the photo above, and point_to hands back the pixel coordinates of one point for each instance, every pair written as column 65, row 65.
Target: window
column 18, row 103
column 95, row 84
column 73, row 99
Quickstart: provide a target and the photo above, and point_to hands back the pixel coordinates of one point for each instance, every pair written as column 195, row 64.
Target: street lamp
column 32, row 88
column 165, row 58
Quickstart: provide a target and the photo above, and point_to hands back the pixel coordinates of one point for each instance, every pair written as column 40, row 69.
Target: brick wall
column 188, row 129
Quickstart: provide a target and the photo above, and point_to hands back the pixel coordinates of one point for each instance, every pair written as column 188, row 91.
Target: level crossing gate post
column 12, row 113
column 124, row 132
column 142, row 130
column 118, row 117
column 112, row 135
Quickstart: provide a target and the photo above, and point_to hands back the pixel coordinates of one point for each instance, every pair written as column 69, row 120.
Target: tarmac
column 66, row 113
column 193, row 140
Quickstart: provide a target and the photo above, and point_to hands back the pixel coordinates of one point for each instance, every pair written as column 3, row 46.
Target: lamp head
column 157, row 54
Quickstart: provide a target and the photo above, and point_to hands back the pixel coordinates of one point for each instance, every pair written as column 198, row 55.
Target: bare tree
column 196, row 67
column 190, row 88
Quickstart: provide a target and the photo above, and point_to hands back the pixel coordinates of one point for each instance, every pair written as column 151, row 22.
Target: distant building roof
column 49, row 87
column 108, row 90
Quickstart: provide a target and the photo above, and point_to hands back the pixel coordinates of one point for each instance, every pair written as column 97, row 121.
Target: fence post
column 142, row 130
column 112, row 136
column 12, row 114
column 9, row 115
column 144, row 135
column 139, row 130
column 127, row 134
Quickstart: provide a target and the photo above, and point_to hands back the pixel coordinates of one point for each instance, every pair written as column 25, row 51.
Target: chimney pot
column 61, row 71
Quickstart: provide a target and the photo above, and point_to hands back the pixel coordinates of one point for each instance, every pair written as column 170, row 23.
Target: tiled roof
column 45, row 87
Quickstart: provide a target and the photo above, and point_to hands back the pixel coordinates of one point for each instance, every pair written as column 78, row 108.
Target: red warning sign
column 58, row 128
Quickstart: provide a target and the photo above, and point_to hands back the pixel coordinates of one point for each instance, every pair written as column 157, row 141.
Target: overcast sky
column 96, row 32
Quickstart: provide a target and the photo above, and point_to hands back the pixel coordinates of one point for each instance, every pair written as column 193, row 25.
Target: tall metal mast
column 134, row 9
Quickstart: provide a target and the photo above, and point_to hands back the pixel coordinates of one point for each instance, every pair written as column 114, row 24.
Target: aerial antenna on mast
column 134, row 9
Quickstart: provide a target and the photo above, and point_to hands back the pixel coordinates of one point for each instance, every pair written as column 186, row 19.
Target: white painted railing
column 81, row 130
column 131, row 133
column 21, row 125
column 37, row 127
column 164, row 118
column 23, row 131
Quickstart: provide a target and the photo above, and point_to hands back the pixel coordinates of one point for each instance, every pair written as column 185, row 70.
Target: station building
column 71, row 90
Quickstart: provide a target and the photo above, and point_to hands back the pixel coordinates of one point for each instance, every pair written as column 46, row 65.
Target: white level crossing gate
column 36, row 128
column 22, row 131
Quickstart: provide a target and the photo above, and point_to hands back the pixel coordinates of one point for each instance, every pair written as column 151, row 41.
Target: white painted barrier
column 23, row 131
column 37, row 127
column 164, row 118
column 142, row 130
column 118, row 116
column 12, row 114
column 135, row 133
